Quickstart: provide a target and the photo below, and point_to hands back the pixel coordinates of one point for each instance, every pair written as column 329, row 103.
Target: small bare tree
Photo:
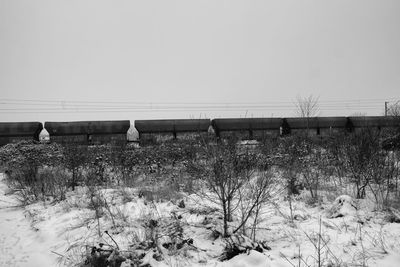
column 312, row 166
column 307, row 107
column 360, row 152
column 224, row 173
column 232, row 176
column 252, row 197
column 383, row 176
column 75, row 157
column 394, row 110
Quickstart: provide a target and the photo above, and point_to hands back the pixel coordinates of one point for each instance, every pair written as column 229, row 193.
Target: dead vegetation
column 225, row 186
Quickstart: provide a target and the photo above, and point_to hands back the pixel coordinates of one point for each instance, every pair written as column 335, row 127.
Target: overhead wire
column 10, row 105
column 155, row 102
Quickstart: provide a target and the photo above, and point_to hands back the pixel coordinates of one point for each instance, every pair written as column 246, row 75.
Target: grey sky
column 206, row 51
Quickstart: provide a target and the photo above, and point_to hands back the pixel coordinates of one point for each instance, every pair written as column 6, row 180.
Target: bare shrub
column 224, row 173
column 75, row 158
column 34, row 168
column 98, row 165
column 383, row 175
column 336, row 158
column 97, row 204
column 360, row 152
column 254, row 194
column 290, row 151
column 229, row 174
column 314, row 168
column 53, row 181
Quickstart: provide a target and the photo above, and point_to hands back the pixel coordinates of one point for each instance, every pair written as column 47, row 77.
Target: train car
column 11, row 132
column 300, row 125
column 332, row 125
column 88, row 132
column 374, row 122
column 247, row 128
column 316, row 125
column 161, row 130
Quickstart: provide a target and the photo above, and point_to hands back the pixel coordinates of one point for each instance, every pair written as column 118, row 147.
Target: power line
column 175, row 103
column 65, row 107
column 163, row 110
column 57, row 106
column 161, row 107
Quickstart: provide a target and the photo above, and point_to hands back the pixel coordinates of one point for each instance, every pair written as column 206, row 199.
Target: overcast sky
column 126, row 59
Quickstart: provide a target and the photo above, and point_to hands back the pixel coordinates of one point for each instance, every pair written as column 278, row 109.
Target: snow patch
column 252, row 259
column 343, row 205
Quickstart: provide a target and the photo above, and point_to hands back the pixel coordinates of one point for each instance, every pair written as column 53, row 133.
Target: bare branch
column 307, row 106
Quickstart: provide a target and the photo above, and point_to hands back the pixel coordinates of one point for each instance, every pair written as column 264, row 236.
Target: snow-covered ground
column 20, row 244
column 51, row 234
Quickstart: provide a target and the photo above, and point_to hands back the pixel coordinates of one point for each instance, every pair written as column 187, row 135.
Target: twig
column 58, row 254
column 62, row 256
column 283, row 255
column 112, row 239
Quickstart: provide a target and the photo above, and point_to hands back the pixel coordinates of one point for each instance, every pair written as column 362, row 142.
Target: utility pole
column 386, row 108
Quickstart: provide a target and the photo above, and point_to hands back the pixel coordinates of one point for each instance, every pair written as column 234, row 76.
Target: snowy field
column 20, row 243
column 60, row 234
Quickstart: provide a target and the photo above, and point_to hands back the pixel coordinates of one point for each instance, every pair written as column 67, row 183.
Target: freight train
column 103, row 132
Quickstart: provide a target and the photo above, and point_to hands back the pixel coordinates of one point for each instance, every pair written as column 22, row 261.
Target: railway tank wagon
column 12, row 132
column 300, row 125
column 315, row 125
column 374, row 122
column 247, row 128
column 161, row 130
column 88, row 132
column 333, row 125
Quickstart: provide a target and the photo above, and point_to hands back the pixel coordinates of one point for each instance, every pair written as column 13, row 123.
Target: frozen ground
column 34, row 235
column 20, row 244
